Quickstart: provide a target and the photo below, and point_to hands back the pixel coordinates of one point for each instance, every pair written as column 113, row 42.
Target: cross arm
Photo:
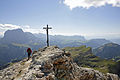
column 47, row 28
column 44, row 28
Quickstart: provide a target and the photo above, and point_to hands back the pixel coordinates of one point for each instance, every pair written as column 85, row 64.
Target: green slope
column 83, row 57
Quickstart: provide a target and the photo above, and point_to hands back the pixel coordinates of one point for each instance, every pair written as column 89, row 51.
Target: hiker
column 29, row 51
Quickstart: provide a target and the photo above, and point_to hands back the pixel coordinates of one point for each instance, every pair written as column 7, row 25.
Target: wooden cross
column 47, row 34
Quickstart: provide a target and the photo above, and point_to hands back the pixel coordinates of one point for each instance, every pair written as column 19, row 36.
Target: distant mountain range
column 94, row 43
column 15, row 42
column 109, row 51
column 20, row 37
column 117, row 41
column 72, row 41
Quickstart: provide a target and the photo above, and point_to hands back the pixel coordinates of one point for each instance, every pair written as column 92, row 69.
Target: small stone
column 39, row 75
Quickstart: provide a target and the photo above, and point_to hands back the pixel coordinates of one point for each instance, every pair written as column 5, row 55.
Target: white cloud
column 26, row 28
column 90, row 3
column 33, row 30
column 8, row 26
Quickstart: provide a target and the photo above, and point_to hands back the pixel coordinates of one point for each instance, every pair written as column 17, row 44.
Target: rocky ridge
column 52, row 63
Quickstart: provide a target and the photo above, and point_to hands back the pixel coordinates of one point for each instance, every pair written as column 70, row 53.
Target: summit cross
column 47, row 34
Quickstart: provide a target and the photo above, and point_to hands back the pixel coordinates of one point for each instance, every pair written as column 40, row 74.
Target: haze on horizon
column 89, row 18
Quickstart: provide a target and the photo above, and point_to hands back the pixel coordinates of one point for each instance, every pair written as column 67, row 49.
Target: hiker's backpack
column 29, row 50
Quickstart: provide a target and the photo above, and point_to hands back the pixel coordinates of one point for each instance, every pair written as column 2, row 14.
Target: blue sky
column 90, row 18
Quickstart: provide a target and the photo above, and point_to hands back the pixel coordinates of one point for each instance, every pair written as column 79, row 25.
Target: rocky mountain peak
column 51, row 63
column 13, row 32
column 18, row 36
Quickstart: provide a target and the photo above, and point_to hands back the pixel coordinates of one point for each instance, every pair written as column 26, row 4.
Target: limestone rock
column 52, row 63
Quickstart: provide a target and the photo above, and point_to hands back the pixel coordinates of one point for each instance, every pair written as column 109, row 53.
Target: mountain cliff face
column 18, row 36
column 109, row 51
column 51, row 63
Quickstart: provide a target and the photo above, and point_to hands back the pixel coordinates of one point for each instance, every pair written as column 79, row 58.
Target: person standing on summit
column 29, row 51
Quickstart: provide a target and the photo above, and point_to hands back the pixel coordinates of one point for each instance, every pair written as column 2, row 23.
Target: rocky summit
column 51, row 63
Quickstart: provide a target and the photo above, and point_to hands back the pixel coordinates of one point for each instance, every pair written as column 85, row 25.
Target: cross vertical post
column 47, row 34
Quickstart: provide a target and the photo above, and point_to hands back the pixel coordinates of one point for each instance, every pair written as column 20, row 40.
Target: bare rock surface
column 52, row 63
